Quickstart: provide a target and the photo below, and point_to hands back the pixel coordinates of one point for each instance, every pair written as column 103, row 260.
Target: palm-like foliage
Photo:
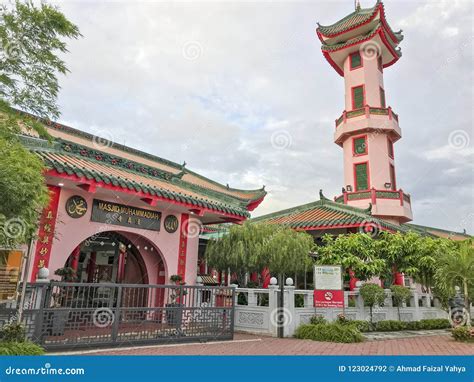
column 456, row 268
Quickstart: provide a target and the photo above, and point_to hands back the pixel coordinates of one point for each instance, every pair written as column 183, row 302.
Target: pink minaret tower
column 359, row 47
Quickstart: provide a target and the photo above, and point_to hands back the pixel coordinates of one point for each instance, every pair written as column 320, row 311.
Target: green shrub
column 361, row 325
column 14, row 332
column 315, row 320
column 20, row 348
column 461, row 333
column 329, row 333
column 413, row 325
column 389, row 326
column 435, row 323
column 373, row 295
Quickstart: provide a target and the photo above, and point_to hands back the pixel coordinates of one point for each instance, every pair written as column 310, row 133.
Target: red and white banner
column 328, row 291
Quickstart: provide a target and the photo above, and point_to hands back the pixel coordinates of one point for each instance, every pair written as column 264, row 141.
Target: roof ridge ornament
column 321, row 196
column 368, row 210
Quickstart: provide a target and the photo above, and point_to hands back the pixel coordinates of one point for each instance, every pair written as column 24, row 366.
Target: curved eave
column 322, row 35
column 328, row 50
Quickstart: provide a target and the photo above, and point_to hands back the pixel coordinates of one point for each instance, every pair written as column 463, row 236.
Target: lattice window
column 392, row 177
column 356, row 60
column 360, row 145
column 361, row 177
column 358, row 97
column 379, row 63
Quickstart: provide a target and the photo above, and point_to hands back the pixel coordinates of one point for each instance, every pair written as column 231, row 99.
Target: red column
column 266, row 277
column 352, row 280
column 46, row 229
column 75, row 258
column 183, row 243
column 91, row 267
column 202, row 267
column 254, row 277
column 121, row 264
column 398, row 279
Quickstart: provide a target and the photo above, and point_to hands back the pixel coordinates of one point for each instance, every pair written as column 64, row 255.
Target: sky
column 242, row 93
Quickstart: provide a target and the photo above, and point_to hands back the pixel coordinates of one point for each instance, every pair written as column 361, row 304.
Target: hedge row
column 329, row 333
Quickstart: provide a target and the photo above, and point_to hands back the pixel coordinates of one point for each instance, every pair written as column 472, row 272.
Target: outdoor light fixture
column 388, row 185
column 273, row 281
column 289, row 281
column 349, row 188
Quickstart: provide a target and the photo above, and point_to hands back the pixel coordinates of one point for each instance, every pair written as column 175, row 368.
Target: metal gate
column 70, row 315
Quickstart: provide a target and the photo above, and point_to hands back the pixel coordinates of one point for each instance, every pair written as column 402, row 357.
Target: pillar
column 75, row 258
column 91, row 267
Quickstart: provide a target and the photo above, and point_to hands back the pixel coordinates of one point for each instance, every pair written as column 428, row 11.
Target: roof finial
column 357, row 5
column 321, row 196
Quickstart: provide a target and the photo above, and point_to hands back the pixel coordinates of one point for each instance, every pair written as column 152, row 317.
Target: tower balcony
column 394, row 205
column 367, row 119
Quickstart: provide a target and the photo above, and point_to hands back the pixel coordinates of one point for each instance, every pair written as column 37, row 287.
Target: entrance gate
column 70, row 315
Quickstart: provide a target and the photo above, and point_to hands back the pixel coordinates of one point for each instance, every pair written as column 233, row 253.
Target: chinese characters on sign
column 328, row 291
column 183, row 243
column 46, row 232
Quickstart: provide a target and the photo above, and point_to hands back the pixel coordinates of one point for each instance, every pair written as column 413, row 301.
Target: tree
column 400, row 294
column 357, row 252
column 456, row 268
column 253, row 246
column 373, row 295
column 32, row 41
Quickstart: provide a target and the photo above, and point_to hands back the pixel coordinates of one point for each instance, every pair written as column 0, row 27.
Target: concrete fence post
column 272, row 308
column 290, row 313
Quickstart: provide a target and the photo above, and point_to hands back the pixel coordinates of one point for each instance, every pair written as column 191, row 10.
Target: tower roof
column 365, row 29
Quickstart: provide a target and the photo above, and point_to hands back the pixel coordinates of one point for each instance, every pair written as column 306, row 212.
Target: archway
column 114, row 257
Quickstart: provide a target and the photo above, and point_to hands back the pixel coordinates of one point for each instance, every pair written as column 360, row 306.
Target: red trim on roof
column 356, row 225
column 139, row 194
column 379, row 32
column 252, row 205
column 380, row 9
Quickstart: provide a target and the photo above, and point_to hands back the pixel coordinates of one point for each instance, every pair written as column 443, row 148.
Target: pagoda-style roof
column 89, row 160
column 325, row 214
column 365, row 27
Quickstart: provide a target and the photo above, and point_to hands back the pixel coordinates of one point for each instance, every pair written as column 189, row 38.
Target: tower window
column 382, row 98
column 358, row 97
column 379, row 63
column 393, row 181
column 359, row 145
column 361, row 174
column 355, row 60
column 390, row 147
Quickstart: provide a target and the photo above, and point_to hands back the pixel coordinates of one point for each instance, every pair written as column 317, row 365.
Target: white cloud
column 256, row 68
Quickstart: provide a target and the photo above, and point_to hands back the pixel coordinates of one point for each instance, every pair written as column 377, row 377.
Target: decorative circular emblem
column 76, row 206
column 171, row 223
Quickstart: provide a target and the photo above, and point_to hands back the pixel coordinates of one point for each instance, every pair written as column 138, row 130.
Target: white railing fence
column 256, row 309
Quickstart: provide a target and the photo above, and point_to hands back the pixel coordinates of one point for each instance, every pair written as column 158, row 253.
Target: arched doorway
column 111, row 257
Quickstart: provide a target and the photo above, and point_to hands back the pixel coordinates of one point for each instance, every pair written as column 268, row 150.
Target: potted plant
column 174, row 315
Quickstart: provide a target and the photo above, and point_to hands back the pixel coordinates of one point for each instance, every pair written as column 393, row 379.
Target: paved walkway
column 245, row 344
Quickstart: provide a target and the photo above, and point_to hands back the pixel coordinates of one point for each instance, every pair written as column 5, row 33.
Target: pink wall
column 71, row 232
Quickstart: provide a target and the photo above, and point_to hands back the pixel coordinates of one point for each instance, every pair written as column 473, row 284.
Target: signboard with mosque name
column 120, row 214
